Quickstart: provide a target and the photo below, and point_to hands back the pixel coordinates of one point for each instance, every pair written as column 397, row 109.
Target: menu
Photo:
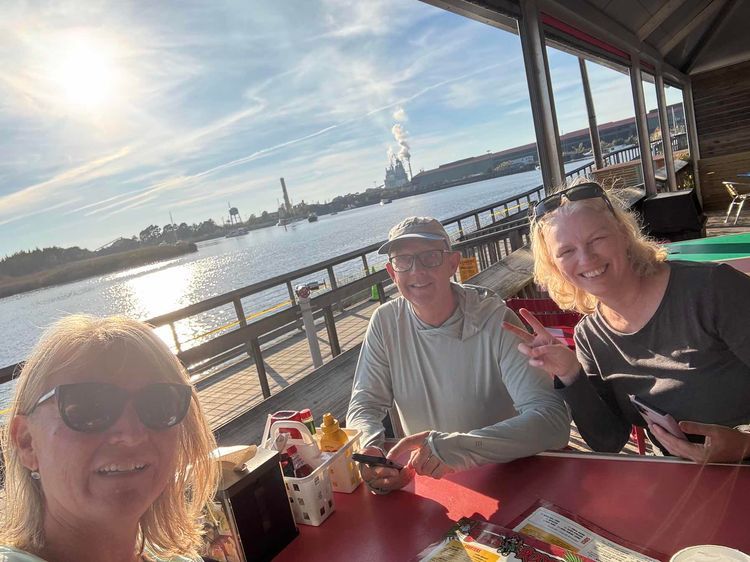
column 552, row 524
column 478, row 541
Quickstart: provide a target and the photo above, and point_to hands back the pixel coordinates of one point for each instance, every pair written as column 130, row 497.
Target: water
column 225, row 264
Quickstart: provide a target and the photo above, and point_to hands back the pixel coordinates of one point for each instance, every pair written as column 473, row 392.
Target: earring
column 35, row 475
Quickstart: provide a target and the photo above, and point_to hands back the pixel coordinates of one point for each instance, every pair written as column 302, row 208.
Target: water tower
column 234, row 216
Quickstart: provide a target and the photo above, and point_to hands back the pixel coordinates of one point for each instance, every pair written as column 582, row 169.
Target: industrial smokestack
column 287, row 204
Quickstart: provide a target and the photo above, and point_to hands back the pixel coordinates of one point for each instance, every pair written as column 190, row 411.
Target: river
column 225, row 264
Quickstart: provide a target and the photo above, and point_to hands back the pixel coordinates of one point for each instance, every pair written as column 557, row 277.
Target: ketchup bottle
column 301, row 468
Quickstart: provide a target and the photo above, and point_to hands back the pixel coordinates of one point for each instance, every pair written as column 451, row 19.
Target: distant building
column 610, row 132
column 395, row 175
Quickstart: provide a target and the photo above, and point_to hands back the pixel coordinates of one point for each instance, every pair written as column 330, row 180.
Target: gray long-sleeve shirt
column 464, row 380
column 691, row 359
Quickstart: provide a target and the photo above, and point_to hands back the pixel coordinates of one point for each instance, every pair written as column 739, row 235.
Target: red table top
column 661, row 504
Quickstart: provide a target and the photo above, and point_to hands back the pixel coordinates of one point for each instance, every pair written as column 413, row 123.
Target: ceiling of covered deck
column 690, row 36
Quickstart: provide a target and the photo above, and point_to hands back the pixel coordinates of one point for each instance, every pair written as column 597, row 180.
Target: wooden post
column 647, row 162
column 540, row 94
column 333, row 337
column 334, row 286
column 292, row 296
column 240, row 312
column 666, row 136
column 515, row 239
column 260, row 367
column 381, row 292
column 593, row 129
column 174, row 335
column 695, row 153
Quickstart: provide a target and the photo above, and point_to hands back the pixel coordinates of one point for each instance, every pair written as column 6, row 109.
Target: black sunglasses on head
column 576, row 193
column 92, row 407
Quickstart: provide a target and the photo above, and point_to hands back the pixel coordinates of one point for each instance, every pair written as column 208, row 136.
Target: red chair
column 560, row 323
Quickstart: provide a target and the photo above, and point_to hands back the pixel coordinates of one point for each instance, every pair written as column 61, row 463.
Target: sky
column 117, row 113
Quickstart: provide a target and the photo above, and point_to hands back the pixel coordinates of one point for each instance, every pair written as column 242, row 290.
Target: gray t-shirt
column 691, row 359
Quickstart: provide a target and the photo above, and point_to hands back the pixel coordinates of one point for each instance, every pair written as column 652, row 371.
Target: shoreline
column 91, row 267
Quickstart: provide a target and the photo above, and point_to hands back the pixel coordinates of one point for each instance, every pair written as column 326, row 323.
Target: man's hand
column 421, row 458
column 723, row 444
column 381, row 479
column 544, row 350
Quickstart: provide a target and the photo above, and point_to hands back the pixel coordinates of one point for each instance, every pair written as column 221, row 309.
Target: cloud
column 35, row 195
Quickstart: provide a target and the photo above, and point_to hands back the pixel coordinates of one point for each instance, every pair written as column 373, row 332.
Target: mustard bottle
column 333, row 437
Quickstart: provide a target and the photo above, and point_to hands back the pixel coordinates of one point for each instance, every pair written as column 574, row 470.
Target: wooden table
column 657, row 503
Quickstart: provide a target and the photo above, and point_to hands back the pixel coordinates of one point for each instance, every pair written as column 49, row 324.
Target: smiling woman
column 106, row 451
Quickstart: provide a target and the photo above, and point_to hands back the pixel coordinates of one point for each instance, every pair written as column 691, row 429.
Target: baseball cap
column 425, row 228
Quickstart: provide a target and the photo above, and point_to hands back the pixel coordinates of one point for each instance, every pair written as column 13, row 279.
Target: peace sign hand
column 544, row 350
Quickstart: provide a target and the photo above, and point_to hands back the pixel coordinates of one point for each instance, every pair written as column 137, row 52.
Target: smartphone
column 371, row 460
column 657, row 417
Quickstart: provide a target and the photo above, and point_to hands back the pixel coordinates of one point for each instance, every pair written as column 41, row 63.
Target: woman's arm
column 593, row 406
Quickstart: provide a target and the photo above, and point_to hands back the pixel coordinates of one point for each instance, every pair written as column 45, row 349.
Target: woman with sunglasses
column 672, row 334
column 106, row 450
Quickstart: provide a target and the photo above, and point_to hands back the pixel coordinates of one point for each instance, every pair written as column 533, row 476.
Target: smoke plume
column 400, row 134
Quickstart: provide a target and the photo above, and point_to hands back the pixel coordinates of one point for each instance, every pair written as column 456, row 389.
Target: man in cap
column 437, row 359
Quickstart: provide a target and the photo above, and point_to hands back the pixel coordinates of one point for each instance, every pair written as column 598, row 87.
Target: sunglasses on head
column 575, row 193
column 93, row 407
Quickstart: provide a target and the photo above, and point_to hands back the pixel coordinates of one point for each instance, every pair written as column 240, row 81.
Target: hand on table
column 421, row 459
column 544, row 350
column 381, row 479
column 723, row 444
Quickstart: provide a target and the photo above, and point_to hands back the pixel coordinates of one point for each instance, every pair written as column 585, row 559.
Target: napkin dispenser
column 255, row 503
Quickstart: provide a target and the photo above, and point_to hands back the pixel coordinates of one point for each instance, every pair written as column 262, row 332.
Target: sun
column 85, row 73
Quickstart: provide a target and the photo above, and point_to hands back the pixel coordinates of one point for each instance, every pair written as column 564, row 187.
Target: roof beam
column 705, row 14
column 587, row 18
column 708, row 35
column 658, row 18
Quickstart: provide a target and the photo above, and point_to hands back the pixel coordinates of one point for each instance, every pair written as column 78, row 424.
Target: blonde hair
column 171, row 524
column 644, row 253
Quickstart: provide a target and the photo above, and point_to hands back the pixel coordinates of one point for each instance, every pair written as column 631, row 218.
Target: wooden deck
column 228, row 393
column 717, row 227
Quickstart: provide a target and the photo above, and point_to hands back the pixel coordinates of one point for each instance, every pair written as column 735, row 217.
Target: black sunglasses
column 93, row 407
column 575, row 193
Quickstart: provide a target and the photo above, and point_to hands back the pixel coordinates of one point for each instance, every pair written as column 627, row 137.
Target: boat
column 283, row 221
column 241, row 231
column 312, row 217
column 385, row 201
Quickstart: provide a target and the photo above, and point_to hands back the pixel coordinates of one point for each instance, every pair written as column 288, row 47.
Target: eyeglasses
column 93, row 407
column 575, row 193
column 428, row 259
